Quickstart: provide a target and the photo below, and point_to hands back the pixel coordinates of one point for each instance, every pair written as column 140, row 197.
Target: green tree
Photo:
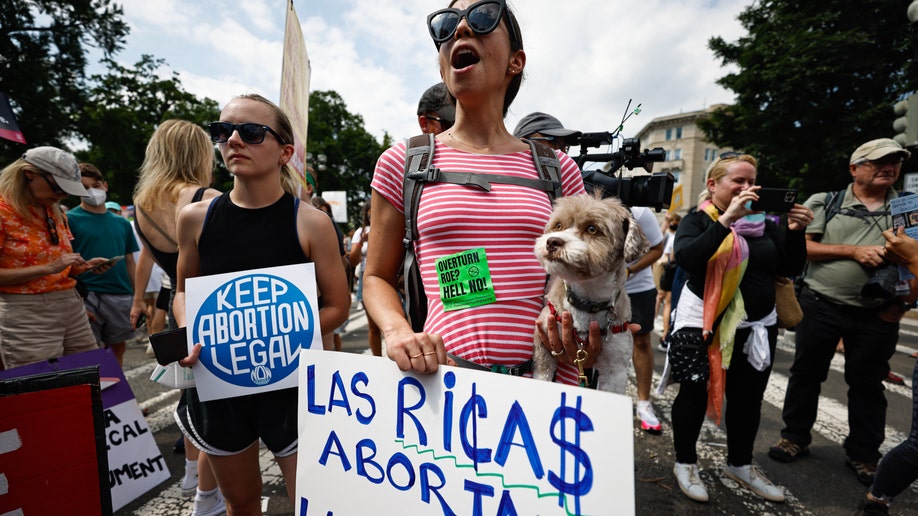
column 350, row 150
column 815, row 80
column 125, row 107
column 43, row 49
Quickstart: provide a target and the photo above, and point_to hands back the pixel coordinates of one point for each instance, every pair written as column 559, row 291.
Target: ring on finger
column 430, row 353
column 557, row 353
column 412, row 357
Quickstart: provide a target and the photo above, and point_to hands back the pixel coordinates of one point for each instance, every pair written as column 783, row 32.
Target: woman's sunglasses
column 483, row 17
column 52, row 185
column 250, row 132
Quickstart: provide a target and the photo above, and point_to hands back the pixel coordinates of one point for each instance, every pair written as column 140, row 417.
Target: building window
column 676, row 174
column 669, row 134
column 678, row 133
column 678, row 154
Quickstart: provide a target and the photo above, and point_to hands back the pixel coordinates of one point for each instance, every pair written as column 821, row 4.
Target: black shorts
column 642, row 309
column 229, row 426
column 162, row 300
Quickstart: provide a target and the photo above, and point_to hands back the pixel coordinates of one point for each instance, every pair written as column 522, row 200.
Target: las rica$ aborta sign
column 374, row 439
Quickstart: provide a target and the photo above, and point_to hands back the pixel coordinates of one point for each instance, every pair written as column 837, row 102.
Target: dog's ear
column 635, row 242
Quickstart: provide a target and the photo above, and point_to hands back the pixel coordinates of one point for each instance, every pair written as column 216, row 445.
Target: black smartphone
column 141, row 320
column 103, row 264
column 170, row 346
column 778, row 200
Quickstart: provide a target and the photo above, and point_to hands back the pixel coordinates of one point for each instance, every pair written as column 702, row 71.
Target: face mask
column 673, row 227
column 96, row 197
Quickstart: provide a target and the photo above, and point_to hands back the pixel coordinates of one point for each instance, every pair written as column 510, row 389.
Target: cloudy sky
column 585, row 58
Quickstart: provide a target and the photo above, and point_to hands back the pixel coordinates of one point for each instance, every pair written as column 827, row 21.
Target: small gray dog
column 587, row 245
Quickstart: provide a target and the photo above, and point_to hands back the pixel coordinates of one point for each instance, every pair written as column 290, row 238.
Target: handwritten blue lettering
column 362, row 377
column 517, row 423
column 478, row 490
column 469, row 412
column 402, row 411
column 581, row 423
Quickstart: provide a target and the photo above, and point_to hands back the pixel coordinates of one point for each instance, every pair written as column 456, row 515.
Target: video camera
column 653, row 191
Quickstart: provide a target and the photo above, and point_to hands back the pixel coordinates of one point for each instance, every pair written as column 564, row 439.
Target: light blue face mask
column 754, row 217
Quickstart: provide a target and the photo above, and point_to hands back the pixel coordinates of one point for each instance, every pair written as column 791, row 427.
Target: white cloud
column 585, row 58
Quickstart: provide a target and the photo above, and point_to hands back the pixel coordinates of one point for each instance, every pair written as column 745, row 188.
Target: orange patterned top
column 27, row 242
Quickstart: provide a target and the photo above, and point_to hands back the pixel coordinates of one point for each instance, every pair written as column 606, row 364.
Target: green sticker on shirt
column 465, row 280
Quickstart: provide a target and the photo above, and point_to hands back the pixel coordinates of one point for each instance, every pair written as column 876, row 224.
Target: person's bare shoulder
column 192, row 213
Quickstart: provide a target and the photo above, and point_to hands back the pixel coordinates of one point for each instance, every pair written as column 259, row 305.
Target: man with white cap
column 41, row 315
column 845, row 248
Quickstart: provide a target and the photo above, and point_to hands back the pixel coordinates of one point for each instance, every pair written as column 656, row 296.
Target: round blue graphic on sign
column 252, row 328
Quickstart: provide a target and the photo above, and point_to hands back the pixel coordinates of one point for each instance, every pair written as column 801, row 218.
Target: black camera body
column 653, row 191
column 882, row 282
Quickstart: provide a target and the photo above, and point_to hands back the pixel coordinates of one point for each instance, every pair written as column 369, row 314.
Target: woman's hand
column 564, row 345
column 84, row 266
column 901, row 248
column 418, row 352
column 73, row 260
column 192, row 357
column 737, row 208
column 137, row 308
column 799, row 217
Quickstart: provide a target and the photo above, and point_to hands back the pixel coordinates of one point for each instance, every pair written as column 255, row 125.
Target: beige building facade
column 688, row 154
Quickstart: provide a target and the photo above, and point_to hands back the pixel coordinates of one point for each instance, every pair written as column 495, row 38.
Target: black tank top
column 167, row 261
column 237, row 239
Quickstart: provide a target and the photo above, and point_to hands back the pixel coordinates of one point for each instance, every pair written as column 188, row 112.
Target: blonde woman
column 256, row 141
column 177, row 169
column 41, row 313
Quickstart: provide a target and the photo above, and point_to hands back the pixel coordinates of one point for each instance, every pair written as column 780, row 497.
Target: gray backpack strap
column 482, row 181
column 548, row 166
column 833, row 204
column 418, row 159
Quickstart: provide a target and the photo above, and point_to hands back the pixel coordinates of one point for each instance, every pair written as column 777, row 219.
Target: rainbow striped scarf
column 722, row 295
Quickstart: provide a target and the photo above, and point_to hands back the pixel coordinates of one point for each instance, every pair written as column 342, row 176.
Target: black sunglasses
column 556, row 140
column 728, row 155
column 56, row 188
column 444, row 123
column 52, row 229
column 250, row 132
column 483, row 17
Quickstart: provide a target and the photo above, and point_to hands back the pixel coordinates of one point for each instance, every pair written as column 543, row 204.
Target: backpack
column 419, row 170
column 833, row 204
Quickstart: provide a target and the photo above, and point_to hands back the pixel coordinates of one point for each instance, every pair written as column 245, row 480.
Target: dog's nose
column 554, row 243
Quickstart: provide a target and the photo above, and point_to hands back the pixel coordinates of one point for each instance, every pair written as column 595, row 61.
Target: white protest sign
column 135, row 463
column 456, row 442
column 338, row 202
column 252, row 326
column 910, row 184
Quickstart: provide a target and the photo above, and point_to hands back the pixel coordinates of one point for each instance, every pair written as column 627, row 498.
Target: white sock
column 212, row 492
column 643, row 403
column 191, row 465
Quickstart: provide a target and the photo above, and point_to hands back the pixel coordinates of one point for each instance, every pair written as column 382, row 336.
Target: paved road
column 819, row 484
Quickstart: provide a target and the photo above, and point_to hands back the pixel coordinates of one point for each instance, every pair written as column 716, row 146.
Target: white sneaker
column 649, row 421
column 209, row 504
column 751, row 478
column 689, row 481
column 189, row 483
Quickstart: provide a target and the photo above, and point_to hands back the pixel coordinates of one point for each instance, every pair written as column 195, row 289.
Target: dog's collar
column 589, row 306
column 611, row 328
